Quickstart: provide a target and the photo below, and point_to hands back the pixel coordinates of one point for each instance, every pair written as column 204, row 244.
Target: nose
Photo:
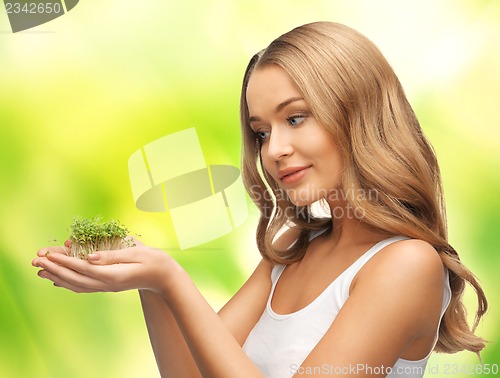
column 279, row 144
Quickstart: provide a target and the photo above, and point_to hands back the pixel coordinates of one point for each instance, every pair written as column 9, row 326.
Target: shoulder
column 404, row 261
column 392, row 309
column 408, row 271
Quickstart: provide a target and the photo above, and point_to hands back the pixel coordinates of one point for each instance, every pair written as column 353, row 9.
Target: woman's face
column 296, row 150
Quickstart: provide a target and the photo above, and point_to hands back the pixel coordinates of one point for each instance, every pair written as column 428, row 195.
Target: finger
column 109, row 278
column 68, row 262
column 58, row 282
column 118, row 256
column 36, row 261
column 65, row 276
column 39, row 261
column 54, row 249
column 82, row 274
column 68, row 243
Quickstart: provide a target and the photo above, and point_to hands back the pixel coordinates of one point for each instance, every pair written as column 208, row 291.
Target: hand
column 138, row 267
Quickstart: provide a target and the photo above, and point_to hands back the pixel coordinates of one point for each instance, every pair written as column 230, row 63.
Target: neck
column 348, row 226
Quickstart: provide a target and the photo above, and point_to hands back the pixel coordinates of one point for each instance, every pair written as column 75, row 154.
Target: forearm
column 213, row 347
column 187, row 336
column 173, row 357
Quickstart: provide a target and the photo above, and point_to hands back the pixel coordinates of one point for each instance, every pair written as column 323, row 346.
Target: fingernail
column 50, row 256
column 94, row 257
column 47, row 253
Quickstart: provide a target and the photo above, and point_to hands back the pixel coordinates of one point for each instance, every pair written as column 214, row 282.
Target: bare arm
column 392, row 311
column 244, row 309
column 187, row 336
column 172, row 354
column 239, row 315
column 217, row 352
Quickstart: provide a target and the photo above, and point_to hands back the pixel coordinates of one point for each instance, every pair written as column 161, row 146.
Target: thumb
column 118, row 256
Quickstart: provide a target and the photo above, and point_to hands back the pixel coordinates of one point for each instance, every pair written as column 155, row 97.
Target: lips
column 292, row 174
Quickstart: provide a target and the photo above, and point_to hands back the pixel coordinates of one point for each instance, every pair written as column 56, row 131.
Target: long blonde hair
column 353, row 92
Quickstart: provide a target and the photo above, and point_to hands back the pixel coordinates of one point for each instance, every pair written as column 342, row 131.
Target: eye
column 296, row 119
column 262, row 135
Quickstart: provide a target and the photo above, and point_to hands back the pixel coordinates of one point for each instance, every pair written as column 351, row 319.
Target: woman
column 370, row 290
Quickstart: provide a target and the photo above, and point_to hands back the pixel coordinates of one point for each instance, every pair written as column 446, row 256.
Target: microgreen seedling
column 90, row 235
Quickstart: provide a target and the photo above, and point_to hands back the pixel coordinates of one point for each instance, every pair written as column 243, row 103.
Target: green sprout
column 90, row 235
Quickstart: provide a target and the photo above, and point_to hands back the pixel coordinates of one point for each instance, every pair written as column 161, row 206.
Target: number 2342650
column 33, row 8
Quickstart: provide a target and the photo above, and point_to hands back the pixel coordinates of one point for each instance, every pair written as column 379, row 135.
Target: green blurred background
column 80, row 94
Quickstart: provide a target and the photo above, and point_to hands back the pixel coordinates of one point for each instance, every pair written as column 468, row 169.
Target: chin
column 303, row 195
column 302, row 200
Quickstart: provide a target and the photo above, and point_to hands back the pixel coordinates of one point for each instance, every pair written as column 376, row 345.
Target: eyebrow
column 279, row 107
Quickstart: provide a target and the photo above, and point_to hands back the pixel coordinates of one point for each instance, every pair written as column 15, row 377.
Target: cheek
column 333, row 162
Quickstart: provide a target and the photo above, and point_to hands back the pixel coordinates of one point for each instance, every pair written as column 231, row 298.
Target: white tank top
column 278, row 344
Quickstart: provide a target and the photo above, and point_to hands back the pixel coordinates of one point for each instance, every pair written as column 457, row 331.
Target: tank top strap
column 359, row 263
column 355, row 267
column 276, row 272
